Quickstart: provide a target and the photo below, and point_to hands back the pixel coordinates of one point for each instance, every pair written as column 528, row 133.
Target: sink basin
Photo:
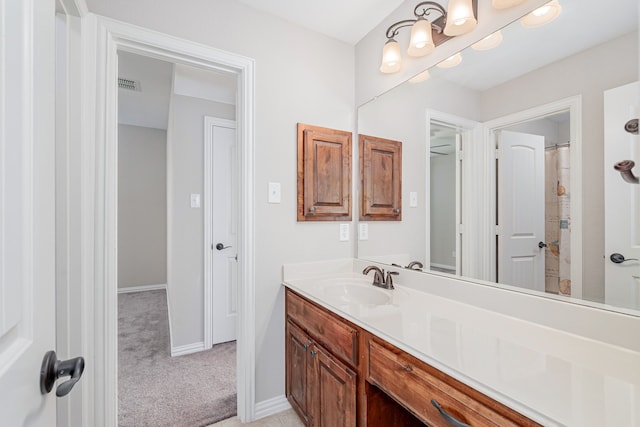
column 356, row 294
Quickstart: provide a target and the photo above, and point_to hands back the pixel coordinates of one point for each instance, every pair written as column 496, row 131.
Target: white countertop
column 551, row 376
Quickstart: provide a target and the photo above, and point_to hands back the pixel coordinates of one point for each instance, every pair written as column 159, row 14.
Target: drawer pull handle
column 407, row 368
column 448, row 418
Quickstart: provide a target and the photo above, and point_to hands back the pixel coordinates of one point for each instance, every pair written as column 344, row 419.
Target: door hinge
column 497, row 154
column 460, row 155
column 460, row 228
column 498, row 230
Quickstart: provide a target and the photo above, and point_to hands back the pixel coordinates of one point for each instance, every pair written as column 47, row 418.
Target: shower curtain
column 557, row 221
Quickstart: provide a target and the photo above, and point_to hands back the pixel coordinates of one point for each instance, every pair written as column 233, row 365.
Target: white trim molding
column 103, row 39
column 142, row 288
column 272, row 406
column 574, row 106
column 181, row 350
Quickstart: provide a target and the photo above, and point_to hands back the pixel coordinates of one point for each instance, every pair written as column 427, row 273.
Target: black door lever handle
column 52, row 369
column 617, row 258
column 220, row 246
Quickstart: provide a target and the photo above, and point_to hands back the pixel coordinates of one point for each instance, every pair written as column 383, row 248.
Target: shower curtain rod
column 554, row 146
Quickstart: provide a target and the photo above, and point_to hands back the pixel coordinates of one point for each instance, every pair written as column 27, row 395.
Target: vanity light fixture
column 542, row 15
column 488, row 42
column 426, row 34
column 451, row 61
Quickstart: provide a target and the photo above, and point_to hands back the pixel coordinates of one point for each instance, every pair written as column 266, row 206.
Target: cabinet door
column 324, row 174
column 381, row 176
column 333, row 387
column 297, row 370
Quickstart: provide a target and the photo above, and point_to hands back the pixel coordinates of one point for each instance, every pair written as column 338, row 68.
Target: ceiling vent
column 128, row 84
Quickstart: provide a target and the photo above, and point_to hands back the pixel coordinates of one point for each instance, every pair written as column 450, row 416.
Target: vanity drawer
column 335, row 335
column 414, row 384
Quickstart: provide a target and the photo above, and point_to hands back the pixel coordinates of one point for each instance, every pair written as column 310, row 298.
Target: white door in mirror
column 521, row 210
column 622, row 199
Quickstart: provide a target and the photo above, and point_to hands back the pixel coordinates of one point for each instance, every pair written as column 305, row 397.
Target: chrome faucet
column 379, row 278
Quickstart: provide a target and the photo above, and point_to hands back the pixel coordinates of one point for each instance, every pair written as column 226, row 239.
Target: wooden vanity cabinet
column 320, row 387
column 338, row 374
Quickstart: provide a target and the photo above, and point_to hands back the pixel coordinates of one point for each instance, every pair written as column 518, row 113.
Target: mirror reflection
column 504, row 178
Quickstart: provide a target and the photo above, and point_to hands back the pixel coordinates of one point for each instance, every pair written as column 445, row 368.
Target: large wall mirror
column 508, row 161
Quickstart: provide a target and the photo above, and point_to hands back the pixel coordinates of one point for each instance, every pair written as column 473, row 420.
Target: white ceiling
column 346, row 20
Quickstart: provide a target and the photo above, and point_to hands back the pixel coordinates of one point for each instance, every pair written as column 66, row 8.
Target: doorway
column 537, row 198
column 100, row 168
column 161, row 259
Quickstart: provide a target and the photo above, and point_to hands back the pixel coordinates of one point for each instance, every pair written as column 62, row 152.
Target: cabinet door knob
column 313, row 353
column 305, row 346
column 396, row 211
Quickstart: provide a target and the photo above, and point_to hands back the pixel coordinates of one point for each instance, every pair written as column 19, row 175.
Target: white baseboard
column 181, row 350
column 142, row 288
column 271, row 406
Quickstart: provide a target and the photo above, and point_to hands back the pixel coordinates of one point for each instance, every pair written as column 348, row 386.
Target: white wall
column 443, row 210
column 589, row 74
column 301, row 76
column 142, row 206
column 186, row 229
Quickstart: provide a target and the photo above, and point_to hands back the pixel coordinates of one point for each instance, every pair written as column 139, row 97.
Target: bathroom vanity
column 360, row 355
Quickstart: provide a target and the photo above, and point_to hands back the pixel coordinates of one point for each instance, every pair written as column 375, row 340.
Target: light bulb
column 542, row 15
column 460, row 18
column 391, row 57
column 421, row 42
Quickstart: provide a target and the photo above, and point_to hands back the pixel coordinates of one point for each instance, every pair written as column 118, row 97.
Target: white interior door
column 224, row 230
column 622, row 198
column 521, row 209
column 27, row 252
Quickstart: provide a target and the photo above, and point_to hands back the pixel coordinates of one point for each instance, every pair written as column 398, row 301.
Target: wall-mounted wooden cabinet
column 381, row 179
column 324, row 174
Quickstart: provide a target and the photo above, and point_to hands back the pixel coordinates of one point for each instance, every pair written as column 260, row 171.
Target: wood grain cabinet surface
column 381, row 179
column 324, row 174
column 338, row 374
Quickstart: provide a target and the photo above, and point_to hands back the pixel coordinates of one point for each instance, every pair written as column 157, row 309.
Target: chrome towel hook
column 624, row 167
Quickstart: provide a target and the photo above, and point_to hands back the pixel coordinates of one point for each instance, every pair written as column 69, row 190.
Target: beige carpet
column 155, row 389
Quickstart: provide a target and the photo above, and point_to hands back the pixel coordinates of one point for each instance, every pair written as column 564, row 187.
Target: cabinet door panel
column 381, row 176
column 324, row 174
column 335, row 391
column 297, row 356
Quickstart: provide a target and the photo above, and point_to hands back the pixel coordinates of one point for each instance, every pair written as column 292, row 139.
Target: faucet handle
column 388, row 281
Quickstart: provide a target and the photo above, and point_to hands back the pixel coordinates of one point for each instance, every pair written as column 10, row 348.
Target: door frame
column 574, row 106
column 104, row 37
column 208, row 253
column 467, row 221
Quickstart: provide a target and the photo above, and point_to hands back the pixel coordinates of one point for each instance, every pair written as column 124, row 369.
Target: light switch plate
column 363, row 231
column 195, row 200
column 344, row 232
column 413, row 199
column 274, row 192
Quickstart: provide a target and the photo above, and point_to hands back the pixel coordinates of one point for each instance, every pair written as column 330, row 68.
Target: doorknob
column 542, row 245
column 52, row 369
column 617, row 258
column 220, row 246
column 625, row 168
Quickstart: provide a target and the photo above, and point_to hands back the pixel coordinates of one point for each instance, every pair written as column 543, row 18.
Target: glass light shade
column 542, row 15
column 488, row 42
column 391, row 57
column 505, row 4
column 421, row 39
column 460, row 18
column 451, row 61
column 421, row 77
